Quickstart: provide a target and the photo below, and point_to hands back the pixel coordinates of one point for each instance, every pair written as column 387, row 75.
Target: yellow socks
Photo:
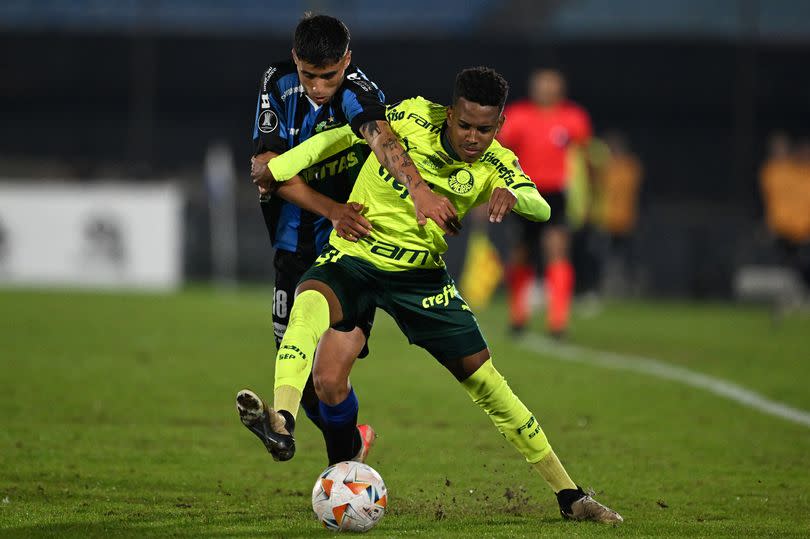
column 489, row 390
column 309, row 320
column 287, row 398
column 553, row 472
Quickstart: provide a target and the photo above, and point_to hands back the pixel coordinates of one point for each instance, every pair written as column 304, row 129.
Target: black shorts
column 531, row 231
column 557, row 202
column 424, row 303
column 290, row 267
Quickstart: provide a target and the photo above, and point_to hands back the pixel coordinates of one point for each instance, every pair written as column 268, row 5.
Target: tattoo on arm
column 394, row 156
column 370, row 130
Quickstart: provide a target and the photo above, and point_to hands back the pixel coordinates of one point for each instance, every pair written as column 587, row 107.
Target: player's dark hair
column 320, row 40
column 481, row 85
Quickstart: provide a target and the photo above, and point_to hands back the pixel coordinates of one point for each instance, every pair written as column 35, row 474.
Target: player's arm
column 269, row 127
column 279, row 174
column 513, row 192
column 270, row 139
column 267, row 169
column 346, row 218
column 393, row 156
column 581, row 131
column 522, row 198
column 363, row 105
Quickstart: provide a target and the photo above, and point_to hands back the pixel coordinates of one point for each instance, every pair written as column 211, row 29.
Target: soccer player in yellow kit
column 398, row 266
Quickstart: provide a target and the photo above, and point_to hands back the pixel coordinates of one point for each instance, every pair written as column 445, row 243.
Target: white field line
column 666, row 371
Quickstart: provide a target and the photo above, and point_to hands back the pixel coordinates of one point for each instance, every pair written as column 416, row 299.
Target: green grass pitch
column 117, row 418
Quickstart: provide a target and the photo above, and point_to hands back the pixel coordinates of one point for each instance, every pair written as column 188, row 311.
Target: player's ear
column 450, row 114
column 294, row 57
column 347, row 58
column 501, row 120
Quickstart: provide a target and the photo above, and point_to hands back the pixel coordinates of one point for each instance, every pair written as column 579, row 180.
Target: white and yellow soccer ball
column 349, row 496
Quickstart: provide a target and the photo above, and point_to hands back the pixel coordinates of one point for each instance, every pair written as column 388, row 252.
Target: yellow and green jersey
column 397, row 242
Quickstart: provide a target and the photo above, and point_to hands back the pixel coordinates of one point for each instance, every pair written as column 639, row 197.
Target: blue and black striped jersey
column 285, row 117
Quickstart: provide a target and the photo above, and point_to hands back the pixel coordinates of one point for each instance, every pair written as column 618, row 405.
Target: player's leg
column 289, row 269
column 253, row 411
column 339, row 406
column 309, row 320
column 316, row 308
column 445, row 326
column 803, row 262
column 489, row 390
column 559, row 278
column 327, row 293
column 520, row 276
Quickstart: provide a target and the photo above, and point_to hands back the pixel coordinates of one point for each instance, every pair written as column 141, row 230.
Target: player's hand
column 429, row 205
column 500, row 203
column 261, row 175
column 348, row 222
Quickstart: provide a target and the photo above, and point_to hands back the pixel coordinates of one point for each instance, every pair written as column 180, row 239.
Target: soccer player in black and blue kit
column 318, row 90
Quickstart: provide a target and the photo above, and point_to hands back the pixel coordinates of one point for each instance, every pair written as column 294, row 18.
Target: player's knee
column 519, row 255
column 334, row 360
column 332, row 387
column 473, row 362
column 312, row 285
column 466, row 366
column 354, row 341
column 556, row 243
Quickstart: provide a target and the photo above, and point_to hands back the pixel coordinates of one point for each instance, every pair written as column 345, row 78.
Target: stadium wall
column 135, row 105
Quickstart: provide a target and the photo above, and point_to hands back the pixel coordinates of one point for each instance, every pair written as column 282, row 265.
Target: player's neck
column 548, row 105
column 447, row 146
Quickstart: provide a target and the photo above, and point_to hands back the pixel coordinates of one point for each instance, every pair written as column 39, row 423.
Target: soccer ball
column 349, row 496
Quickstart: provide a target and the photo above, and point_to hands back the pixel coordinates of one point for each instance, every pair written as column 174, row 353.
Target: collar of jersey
column 446, row 146
column 315, row 106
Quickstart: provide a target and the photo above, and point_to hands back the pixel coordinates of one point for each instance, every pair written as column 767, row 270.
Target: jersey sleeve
column 362, row 101
column 269, row 125
column 530, row 205
column 311, row 151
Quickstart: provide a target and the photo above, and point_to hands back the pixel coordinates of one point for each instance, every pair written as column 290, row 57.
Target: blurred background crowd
column 127, row 129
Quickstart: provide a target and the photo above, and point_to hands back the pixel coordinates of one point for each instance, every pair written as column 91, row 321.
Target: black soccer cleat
column 274, row 429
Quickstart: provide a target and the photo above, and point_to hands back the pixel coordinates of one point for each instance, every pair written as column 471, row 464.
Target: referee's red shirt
column 540, row 136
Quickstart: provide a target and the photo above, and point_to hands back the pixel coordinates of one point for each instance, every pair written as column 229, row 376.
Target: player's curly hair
column 481, row 85
column 320, row 39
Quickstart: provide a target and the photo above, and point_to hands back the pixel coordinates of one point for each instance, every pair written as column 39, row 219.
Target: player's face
column 547, row 87
column 471, row 128
column 321, row 83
